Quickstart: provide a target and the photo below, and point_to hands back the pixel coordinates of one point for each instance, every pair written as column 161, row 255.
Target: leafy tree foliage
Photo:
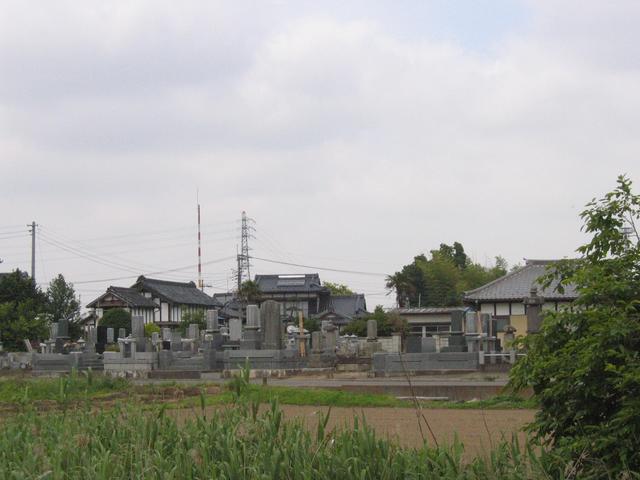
column 584, row 365
column 312, row 324
column 22, row 311
column 116, row 318
column 388, row 323
column 249, row 291
column 62, row 303
column 188, row 318
column 337, row 288
column 441, row 279
column 151, row 328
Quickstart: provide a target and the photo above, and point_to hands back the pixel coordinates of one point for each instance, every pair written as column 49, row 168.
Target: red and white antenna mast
column 200, row 282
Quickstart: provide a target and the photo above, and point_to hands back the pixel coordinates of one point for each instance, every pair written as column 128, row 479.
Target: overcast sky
column 357, row 134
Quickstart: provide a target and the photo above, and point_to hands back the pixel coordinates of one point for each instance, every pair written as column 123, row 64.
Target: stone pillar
column 213, row 325
column 330, row 338
column 372, row 330
column 110, row 335
column 137, row 331
column 316, row 342
column 166, row 334
column 193, row 332
column 534, row 311
column 251, row 335
column 134, row 349
column 63, row 329
column 272, row 325
column 235, row 329
column 471, row 323
column 53, row 331
column 92, row 337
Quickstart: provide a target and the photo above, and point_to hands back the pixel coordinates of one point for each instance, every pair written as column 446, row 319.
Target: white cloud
column 343, row 139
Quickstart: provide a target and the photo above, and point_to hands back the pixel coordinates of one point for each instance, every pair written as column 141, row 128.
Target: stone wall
column 393, row 364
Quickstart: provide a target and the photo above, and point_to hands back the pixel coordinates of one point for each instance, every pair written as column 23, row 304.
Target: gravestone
column 272, row 325
column 457, row 317
column 235, row 329
column 92, row 338
column 155, row 340
column 213, row 324
column 63, row 328
column 166, row 334
column 122, row 332
column 251, row 337
column 193, row 331
column 53, row 331
column 110, row 335
column 534, row 304
column 176, row 341
column 330, row 338
column 372, row 330
column 137, row 332
column 316, row 342
column 471, row 322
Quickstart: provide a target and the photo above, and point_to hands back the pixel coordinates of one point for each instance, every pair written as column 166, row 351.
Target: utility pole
column 200, row 282
column 32, row 230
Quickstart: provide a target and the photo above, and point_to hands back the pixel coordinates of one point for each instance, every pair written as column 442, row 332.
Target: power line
column 210, row 262
column 373, row 274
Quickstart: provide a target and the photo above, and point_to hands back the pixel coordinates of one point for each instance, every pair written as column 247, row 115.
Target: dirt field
column 474, row 428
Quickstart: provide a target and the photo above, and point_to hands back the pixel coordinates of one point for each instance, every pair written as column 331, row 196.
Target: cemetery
column 272, row 349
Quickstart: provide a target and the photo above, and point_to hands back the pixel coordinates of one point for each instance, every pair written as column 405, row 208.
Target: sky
column 357, row 134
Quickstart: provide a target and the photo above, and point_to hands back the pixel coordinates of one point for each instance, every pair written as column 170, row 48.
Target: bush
column 583, row 365
column 192, row 317
column 116, row 318
column 150, row 328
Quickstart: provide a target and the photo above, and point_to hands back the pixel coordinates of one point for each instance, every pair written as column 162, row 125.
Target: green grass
column 340, row 398
column 236, row 442
column 75, row 386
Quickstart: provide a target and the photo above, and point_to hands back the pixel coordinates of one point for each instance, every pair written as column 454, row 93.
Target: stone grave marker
column 271, row 325
column 235, row 329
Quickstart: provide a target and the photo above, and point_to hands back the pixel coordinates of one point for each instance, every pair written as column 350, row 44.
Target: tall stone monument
column 137, row 332
column 272, row 325
column 251, row 337
column 534, row 304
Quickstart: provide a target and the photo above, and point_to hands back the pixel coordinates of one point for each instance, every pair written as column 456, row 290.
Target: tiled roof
column 132, row 297
column 517, row 285
column 175, row 292
column 309, row 282
column 348, row 305
column 427, row 310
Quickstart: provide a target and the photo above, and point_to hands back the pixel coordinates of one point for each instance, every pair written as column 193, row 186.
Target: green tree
column 116, row 318
column 249, row 292
column 22, row 311
column 387, row 323
column 337, row 288
column 62, row 303
column 151, row 328
column 442, row 279
column 188, row 318
column 584, row 365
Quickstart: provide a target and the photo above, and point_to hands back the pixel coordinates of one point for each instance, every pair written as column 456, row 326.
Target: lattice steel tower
column 244, row 263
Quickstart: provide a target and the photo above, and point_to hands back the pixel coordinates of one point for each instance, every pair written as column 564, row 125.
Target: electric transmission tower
column 244, row 260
